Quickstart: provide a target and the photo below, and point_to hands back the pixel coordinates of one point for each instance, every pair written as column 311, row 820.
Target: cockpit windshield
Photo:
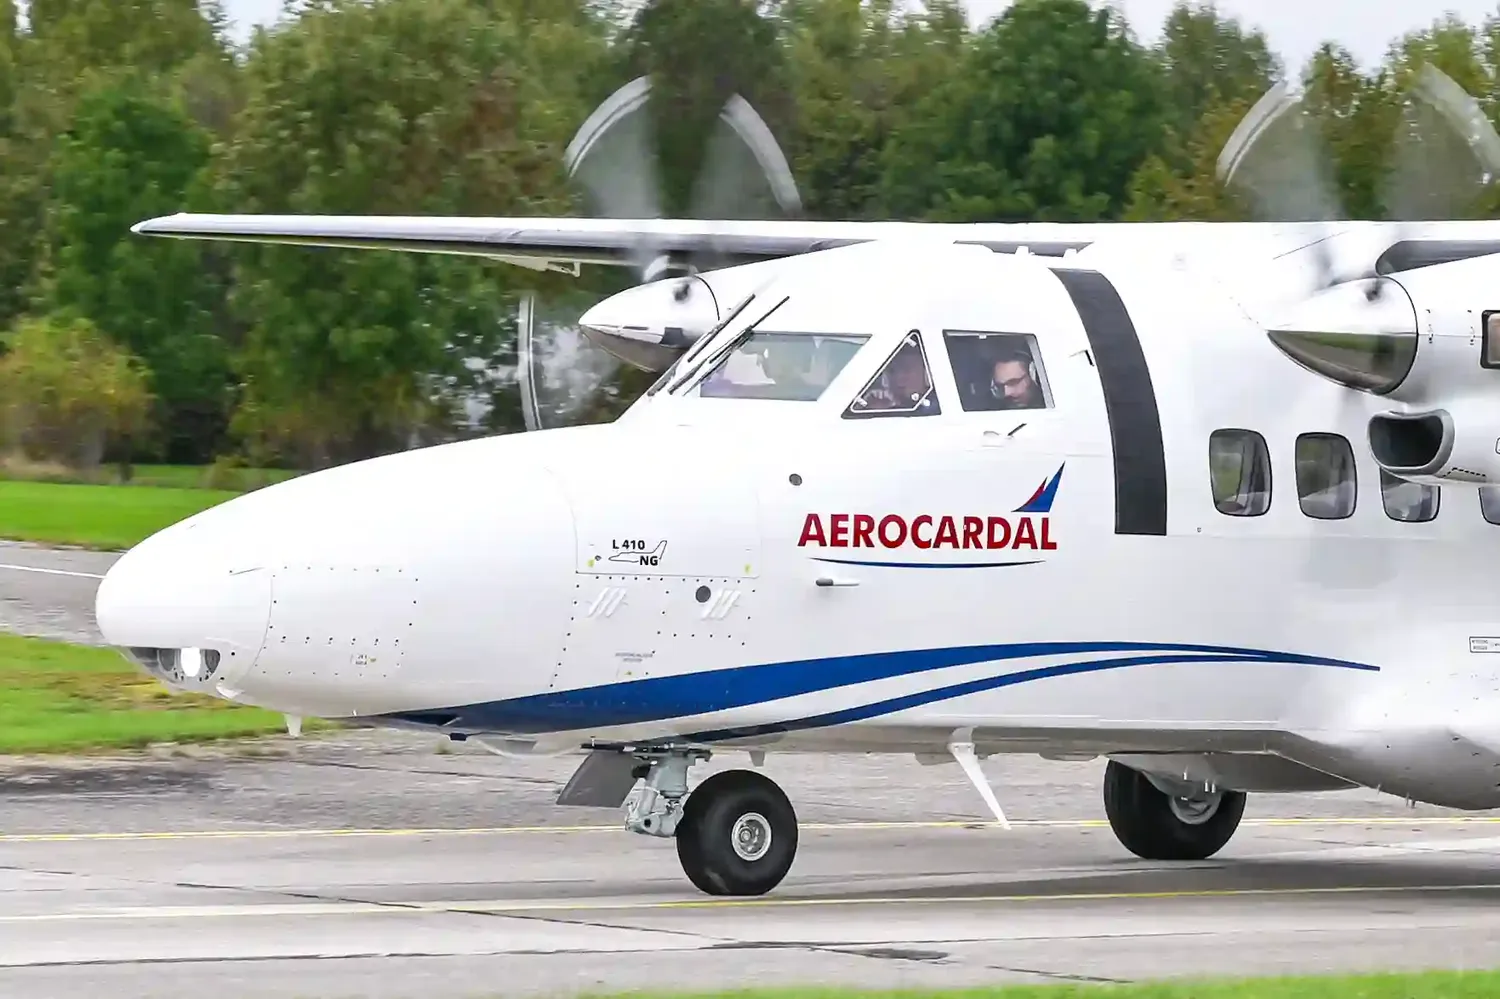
column 791, row 367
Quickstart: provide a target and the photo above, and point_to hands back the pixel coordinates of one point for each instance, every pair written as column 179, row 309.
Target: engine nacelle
column 1453, row 445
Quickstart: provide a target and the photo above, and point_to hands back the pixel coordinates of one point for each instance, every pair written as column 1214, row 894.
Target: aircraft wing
column 554, row 243
column 540, row 243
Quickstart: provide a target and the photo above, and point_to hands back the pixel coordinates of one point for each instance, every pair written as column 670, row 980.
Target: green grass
column 1421, row 985
column 111, row 518
column 57, row 698
column 218, row 476
column 50, row 504
column 206, row 477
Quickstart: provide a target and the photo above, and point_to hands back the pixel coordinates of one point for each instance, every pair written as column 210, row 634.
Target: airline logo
column 1028, row 528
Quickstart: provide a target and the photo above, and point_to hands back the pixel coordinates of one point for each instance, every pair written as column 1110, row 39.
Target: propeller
column 1354, row 325
column 1346, row 324
column 1444, row 151
column 562, row 368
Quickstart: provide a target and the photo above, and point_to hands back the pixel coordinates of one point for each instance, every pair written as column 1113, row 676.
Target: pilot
column 1012, row 384
column 901, row 386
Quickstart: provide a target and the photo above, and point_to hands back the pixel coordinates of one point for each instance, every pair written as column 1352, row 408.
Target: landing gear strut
column 736, row 833
column 1180, row 824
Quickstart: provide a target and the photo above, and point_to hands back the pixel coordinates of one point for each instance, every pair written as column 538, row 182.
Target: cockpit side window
column 997, row 371
column 902, row 387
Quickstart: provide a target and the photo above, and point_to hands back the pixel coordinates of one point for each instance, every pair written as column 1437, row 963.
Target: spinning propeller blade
column 1353, row 326
column 562, row 368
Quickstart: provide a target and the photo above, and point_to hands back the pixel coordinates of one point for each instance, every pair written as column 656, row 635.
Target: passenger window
column 1239, row 466
column 903, row 387
column 997, row 371
column 1409, row 502
column 1489, row 503
column 1326, row 479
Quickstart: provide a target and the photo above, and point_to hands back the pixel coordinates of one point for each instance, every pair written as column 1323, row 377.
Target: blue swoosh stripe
column 890, row 706
column 656, row 699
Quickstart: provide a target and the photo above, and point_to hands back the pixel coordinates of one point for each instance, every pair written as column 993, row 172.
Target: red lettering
column 973, row 527
column 886, row 537
column 916, row 524
column 893, row 531
column 838, row 524
column 1025, row 534
column 947, row 534
column 812, row 531
column 1004, row 538
column 864, row 524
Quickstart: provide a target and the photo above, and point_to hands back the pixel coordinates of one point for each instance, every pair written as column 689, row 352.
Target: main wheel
column 1154, row 825
column 737, row 835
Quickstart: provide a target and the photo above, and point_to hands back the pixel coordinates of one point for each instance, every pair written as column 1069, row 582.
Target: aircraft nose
column 190, row 604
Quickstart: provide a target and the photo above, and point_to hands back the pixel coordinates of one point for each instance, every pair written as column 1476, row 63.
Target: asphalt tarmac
column 375, row 865
column 390, row 865
column 49, row 593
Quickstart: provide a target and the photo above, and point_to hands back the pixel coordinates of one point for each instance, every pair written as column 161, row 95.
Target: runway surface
column 49, row 593
column 371, row 865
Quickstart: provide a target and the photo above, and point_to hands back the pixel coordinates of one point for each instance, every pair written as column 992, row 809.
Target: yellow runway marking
column 1103, row 896
column 501, row 907
column 192, row 834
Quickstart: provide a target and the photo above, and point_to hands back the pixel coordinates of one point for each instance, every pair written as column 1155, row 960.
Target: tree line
column 123, row 348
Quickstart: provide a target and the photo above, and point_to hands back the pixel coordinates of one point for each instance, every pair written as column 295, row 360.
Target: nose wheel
column 737, row 835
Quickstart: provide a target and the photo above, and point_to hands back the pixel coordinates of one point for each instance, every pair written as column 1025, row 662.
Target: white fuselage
column 691, row 571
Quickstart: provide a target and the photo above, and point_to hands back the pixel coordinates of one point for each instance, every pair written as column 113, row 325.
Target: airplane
column 1214, row 501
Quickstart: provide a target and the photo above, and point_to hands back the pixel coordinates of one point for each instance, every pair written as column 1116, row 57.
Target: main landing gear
column 1156, row 820
column 736, row 833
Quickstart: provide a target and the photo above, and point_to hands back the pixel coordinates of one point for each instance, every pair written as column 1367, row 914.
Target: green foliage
column 1048, row 115
column 112, row 111
column 407, row 106
column 129, row 155
column 67, row 392
column 699, row 54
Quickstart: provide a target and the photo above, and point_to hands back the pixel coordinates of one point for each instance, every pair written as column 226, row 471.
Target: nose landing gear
column 736, row 832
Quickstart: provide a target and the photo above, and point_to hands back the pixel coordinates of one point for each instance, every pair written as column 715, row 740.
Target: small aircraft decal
column 1041, row 500
column 1029, row 528
column 635, row 552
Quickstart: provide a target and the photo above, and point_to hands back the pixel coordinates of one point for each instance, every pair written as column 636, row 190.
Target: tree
column 1211, row 61
column 129, row 155
column 857, row 71
column 406, row 106
column 698, row 55
column 1047, row 117
column 67, row 393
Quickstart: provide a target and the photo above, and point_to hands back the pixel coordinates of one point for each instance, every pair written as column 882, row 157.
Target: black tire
column 1145, row 824
column 705, row 834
